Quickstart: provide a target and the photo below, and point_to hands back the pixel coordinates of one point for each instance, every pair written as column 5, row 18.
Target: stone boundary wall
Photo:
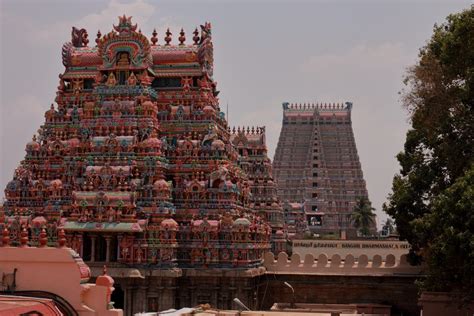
column 353, row 247
column 336, row 265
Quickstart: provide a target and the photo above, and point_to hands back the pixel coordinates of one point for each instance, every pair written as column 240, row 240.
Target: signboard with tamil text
column 353, row 247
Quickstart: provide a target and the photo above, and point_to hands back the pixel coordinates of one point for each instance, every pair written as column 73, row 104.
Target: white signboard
column 353, row 247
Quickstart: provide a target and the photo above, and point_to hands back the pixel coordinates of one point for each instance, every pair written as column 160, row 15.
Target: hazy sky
column 266, row 52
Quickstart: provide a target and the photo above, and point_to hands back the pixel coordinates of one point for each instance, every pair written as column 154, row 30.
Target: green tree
column 362, row 216
column 431, row 199
column 450, row 252
column 389, row 225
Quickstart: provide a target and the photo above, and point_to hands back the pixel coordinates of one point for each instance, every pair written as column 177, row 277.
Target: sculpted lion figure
column 79, row 37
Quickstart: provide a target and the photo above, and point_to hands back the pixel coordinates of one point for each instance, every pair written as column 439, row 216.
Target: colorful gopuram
column 295, row 220
column 254, row 161
column 316, row 165
column 137, row 165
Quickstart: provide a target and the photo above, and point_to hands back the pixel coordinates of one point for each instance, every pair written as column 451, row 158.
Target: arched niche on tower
column 125, row 46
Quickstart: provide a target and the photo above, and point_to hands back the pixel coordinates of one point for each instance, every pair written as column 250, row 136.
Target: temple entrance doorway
column 101, row 249
column 87, row 247
column 113, row 249
column 118, row 296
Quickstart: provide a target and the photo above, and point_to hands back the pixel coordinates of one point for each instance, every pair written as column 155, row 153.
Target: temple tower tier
column 317, row 168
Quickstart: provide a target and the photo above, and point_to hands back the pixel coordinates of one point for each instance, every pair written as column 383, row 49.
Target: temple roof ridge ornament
column 196, row 37
column 125, row 26
column 247, row 130
column 154, row 38
column 79, row 37
column 98, row 36
column 206, row 32
column 127, row 41
column 168, row 37
column 182, row 37
column 311, row 107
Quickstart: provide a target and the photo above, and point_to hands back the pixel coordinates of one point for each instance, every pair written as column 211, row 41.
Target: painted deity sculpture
column 132, row 80
column 111, row 81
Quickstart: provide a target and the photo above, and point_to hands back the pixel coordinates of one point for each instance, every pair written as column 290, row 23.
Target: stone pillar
column 93, row 248
column 142, row 299
column 215, row 292
column 135, row 299
column 119, row 254
column 127, row 300
column 107, row 248
column 167, row 293
column 192, row 292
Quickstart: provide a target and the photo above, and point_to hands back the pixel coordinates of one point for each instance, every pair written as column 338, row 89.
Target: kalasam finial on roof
column 168, row 37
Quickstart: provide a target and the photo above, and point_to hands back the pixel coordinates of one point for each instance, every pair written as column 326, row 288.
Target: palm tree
column 362, row 216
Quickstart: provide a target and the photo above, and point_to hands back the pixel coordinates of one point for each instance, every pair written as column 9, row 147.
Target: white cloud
column 140, row 10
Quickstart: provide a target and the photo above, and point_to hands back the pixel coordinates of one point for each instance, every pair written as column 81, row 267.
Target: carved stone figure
column 79, row 37
column 111, row 81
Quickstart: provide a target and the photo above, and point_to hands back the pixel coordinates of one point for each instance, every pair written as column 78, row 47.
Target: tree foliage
column 450, row 251
column 431, row 199
column 389, row 226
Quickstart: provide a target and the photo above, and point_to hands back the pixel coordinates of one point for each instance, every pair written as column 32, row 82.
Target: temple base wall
column 259, row 288
column 441, row 303
column 397, row 291
column 262, row 291
column 157, row 290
